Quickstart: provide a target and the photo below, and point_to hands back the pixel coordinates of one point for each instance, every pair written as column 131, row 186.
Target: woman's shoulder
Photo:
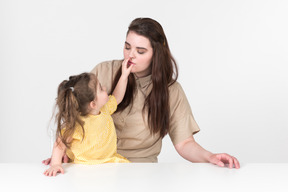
column 106, row 66
column 105, row 72
column 178, row 101
column 176, row 92
column 175, row 87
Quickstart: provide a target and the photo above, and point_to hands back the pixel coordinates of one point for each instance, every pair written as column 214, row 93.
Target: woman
column 154, row 103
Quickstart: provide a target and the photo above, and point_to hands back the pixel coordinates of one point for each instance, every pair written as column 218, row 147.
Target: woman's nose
column 132, row 54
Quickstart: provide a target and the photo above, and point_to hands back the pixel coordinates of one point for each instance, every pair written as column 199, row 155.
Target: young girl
column 85, row 128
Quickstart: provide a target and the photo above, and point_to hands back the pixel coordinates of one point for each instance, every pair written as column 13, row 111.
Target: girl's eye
column 141, row 52
column 127, row 48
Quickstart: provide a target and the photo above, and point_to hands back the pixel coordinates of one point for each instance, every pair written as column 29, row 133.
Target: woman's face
column 138, row 49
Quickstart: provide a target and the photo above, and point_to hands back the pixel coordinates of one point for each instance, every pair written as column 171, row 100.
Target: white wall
column 232, row 57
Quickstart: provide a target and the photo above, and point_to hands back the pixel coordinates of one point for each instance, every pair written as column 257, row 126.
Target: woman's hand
column 192, row 151
column 65, row 159
column 53, row 170
column 126, row 68
column 223, row 158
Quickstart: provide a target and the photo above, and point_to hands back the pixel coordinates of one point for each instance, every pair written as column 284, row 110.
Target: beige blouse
column 134, row 140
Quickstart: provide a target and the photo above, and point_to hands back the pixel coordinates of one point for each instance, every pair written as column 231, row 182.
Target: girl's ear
column 92, row 104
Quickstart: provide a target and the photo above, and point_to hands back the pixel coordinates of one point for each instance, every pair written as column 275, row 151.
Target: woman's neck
column 144, row 73
column 141, row 75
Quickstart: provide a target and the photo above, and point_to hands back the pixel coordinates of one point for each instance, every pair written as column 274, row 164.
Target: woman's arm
column 56, row 160
column 190, row 150
column 120, row 88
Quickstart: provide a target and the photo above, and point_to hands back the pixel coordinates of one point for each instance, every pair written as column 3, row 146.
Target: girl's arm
column 120, row 88
column 56, row 160
column 190, row 150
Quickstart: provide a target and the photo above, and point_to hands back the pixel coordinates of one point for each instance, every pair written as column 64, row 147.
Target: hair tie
column 72, row 88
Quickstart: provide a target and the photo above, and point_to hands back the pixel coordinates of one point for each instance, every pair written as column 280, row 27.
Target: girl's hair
column 164, row 74
column 74, row 96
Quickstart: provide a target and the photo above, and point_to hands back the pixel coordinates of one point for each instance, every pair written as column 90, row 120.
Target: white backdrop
column 232, row 57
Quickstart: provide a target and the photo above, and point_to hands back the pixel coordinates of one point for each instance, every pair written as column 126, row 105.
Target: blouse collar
column 143, row 82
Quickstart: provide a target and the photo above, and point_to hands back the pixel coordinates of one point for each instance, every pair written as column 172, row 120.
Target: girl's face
column 101, row 96
column 139, row 50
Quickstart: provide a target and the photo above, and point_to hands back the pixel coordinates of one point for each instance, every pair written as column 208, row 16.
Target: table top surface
column 146, row 177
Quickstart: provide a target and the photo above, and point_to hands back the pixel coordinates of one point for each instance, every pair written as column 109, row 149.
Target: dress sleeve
column 182, row 123
column 78, row 134
column 111, row 106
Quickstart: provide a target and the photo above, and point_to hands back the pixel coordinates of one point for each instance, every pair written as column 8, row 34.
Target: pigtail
column 68, row 114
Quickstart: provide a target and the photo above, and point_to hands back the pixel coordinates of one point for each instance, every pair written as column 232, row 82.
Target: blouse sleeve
column 182, row 123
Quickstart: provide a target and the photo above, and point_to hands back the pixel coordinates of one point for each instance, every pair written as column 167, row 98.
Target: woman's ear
column 92, row 105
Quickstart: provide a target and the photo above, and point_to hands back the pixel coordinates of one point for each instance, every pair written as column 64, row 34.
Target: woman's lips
column 130, row 63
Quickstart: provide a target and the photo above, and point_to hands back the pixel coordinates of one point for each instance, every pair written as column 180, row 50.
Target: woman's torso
column 134, row 140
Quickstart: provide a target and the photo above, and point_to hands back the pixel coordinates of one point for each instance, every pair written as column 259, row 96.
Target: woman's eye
column 141, row 52
column 127, row 48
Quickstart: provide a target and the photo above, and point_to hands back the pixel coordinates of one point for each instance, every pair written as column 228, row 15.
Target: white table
column 146, row 177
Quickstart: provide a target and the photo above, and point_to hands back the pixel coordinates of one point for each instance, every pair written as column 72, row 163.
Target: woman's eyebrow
column 136, row 47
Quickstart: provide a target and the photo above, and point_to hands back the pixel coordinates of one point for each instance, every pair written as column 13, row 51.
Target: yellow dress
column 100, row 142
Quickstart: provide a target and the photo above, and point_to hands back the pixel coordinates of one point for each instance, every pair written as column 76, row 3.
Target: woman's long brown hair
column 74, row 96
column 164, row 74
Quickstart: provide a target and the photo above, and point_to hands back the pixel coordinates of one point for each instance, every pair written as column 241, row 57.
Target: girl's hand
column 65, row 159
column 222, row 158
column 126, row 68
column 53, row 170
